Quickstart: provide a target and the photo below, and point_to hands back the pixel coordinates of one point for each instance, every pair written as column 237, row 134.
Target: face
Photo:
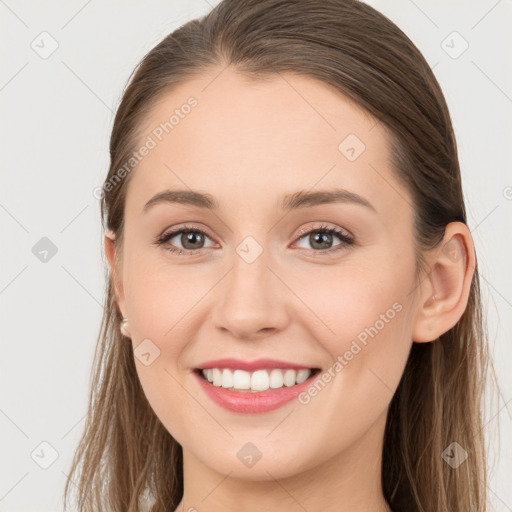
column 260, row 276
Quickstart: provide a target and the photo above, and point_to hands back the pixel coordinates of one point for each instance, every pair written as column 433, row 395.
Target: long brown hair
column 125, row 453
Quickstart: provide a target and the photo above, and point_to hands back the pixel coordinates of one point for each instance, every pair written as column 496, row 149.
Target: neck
column 349, row 481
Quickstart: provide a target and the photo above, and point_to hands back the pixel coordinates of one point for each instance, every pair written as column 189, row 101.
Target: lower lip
column 251, row 402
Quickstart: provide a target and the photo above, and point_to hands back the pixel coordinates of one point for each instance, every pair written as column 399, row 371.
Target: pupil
column 190, row 236
column 320, row 238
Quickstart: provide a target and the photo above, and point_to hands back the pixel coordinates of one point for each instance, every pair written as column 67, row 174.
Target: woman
column 293, row 316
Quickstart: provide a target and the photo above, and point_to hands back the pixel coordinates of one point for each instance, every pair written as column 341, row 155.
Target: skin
column 249, row 143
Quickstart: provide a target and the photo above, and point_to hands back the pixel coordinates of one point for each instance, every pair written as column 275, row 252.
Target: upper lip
column 257, row 364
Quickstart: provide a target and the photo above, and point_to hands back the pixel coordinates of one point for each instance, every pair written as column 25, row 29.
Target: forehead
column 242, row 139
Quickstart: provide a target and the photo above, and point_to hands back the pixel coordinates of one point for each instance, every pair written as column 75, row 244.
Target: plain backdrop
column 63, row 69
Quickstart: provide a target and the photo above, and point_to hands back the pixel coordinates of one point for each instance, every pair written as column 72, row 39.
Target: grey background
column 57, row 113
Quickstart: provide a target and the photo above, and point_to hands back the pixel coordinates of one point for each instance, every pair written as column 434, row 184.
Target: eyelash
column 346, row 241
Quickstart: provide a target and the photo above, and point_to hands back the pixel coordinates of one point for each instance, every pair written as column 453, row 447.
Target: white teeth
column 302, row 375
column 259, row 380
column 217, row 377
column 227, row 379
column 241, row 379
column 276, row 379
column 289, row 377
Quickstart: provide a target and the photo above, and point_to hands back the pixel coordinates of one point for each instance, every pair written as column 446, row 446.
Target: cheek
column 164, row 307
column 161, row 297
column 365, row 325
column 370, row 312
column 360, row 305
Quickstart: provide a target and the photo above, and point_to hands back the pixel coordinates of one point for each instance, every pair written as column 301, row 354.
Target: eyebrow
column 297, row 200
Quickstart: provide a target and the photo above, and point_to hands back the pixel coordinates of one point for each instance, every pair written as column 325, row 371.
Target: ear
column 113, row 263
column 444, row 292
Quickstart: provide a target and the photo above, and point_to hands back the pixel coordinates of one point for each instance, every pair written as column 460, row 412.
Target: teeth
column 241, row 379
column 217, row 377
column 227, row 379
column 276, row 379
column 302, row 375
column 259, row 380
column 289, row 377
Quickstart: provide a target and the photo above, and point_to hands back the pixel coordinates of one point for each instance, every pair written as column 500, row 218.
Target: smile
column 257, row 387
column 259, row 380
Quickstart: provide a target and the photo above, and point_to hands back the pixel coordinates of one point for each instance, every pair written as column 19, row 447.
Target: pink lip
column 252, row 402
column 250, row 366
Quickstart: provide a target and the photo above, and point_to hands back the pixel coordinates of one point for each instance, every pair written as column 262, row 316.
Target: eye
column 191, row 238
column 319, row 237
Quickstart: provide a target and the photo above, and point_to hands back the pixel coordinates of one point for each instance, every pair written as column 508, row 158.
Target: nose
column 252, row 301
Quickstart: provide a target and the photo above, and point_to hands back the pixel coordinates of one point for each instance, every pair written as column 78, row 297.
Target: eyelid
column 323, row 225
column 178, row 229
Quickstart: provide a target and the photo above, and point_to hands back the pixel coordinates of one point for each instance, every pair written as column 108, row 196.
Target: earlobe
column 112, row 261
column 444, row 292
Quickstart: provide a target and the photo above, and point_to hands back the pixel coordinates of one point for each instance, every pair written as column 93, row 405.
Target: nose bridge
column 250, row 268
column 251, row 299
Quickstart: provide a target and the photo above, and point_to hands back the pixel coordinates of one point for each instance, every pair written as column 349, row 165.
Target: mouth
column 257, row 381
column 254, row 387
